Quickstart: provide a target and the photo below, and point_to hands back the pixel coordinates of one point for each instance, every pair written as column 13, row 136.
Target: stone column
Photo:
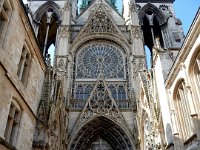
column 137, row 57
column 49, row 16
column 63, row 57
column 137, row 36
column 162, row 95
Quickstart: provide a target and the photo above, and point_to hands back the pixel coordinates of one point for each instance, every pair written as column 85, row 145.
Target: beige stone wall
column 19, row 33
column 183, row 72
column 3, row 147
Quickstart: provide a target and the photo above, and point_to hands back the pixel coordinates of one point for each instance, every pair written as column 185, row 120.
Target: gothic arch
column 153, row 23
column 17, row 103
column 182, row 112
column 47, row 18
column 176, row 87
column 104, row 128
column 195, row 55
column 105, row 37
column 115, row 74
column 44, row 8
column 161, row 18
column 194, row 75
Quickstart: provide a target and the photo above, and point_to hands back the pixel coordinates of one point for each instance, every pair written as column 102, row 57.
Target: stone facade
column 182, row 85
column 98, row 94
column 20, row 78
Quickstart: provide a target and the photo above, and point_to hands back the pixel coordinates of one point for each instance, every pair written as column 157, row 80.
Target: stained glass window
column 95, row 58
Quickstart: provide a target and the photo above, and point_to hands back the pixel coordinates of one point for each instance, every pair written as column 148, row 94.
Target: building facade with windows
column 22, row 70
column 182, row 86
column 98, row 92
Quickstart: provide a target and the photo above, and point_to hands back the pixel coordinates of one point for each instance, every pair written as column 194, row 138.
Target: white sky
column 25, row 1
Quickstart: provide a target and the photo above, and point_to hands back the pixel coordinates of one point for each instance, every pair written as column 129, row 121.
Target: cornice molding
column 187, row 45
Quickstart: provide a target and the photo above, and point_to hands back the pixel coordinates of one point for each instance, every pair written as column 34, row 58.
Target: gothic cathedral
column 108, row 83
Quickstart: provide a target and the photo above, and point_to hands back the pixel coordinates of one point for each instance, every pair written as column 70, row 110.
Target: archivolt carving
column 100, row 105
column 101, row 127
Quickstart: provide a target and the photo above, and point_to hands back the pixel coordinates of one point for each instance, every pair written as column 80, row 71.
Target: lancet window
column 182, row 111
column 104, row 59
column 24, row 66
column 195, row 78
column 12, row 123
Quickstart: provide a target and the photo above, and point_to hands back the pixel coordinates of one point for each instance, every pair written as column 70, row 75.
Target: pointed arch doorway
column 101, row 133
column 100, row 144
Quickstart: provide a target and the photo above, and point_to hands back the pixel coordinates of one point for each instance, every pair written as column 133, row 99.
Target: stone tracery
column 103, row 128
column 100, row 56
column 108, row 59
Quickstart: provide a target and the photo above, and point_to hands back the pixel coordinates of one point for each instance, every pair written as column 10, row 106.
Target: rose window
column 96, row 58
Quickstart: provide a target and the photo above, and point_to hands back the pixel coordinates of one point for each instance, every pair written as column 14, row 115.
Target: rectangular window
column 12, row 124
column 24, row 66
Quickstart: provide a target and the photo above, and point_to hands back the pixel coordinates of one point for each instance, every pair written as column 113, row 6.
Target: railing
column 78, row 104
column 122, row 104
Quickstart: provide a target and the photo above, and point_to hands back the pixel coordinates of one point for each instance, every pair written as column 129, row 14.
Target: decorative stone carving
column 67, row 5
column 138, row 63
column 132, row 7
column 138, row 7
column 166, row 10
column 100, row 22
column 64, row 32
column 101, row 103
column 100, row 56
column 137, row 32
column 61, row 65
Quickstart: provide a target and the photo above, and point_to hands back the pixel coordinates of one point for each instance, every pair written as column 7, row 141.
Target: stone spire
column 133, row 13
column 66, row 13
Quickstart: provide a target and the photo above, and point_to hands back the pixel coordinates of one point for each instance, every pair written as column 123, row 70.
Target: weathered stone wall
column 19, row 34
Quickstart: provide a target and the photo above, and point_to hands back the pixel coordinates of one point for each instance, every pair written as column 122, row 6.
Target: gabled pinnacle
column 100, row 103
column 100, row 22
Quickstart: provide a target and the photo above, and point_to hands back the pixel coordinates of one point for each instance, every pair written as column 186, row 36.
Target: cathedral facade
column 98, row 92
